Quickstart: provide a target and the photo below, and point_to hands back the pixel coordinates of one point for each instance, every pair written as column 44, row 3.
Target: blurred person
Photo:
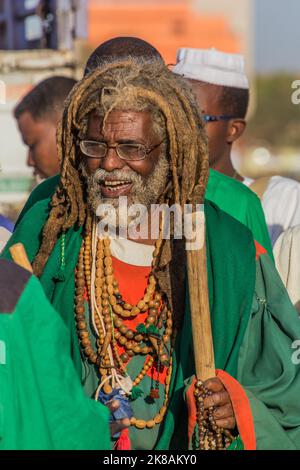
column 280, row 198
column 122, row 47
column 37, row 115
column 239, row 202
column 222, row 90
column 287, row 259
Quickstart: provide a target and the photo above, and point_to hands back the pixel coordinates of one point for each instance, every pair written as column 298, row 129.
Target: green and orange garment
column 254, row 325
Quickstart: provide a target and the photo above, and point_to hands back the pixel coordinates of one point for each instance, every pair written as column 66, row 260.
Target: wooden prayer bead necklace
column 112, row 310
column 211, row 437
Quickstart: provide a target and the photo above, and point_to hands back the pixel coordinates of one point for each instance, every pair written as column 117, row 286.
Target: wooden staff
column 19, row 256
column 199, row 303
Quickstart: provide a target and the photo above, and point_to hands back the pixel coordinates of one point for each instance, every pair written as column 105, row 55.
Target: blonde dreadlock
column 121, row 84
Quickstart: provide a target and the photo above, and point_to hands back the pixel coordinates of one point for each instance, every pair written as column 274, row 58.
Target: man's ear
column 236, row 128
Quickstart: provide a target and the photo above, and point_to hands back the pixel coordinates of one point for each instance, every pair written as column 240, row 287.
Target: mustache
column 128, row 175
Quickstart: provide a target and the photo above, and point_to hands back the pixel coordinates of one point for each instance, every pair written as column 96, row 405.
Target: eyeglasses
column 130, row 152
column 211, row 118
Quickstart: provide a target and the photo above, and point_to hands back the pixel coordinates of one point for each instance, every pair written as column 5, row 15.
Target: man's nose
column 111, row 161
column 30, row 161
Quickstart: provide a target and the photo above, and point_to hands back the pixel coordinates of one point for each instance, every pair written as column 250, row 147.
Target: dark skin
column 222, row 134
column 40, row 138
column 136, row 126
column 123, row 127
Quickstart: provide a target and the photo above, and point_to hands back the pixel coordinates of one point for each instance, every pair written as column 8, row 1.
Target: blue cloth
column 124, row 410
column 6, row 223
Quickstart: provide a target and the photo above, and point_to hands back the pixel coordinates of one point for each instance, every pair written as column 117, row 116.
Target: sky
column 277, row 34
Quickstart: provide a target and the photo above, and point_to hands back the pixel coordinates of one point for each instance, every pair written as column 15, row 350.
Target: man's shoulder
column 48, row 186
column 38, row 209
column 45, row 189
column 217, row 216
column 239, row 189
column 43, row 192
column 13, row 281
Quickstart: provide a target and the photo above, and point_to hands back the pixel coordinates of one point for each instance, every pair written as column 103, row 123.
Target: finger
column 119, row 425
column 227, row 423
column 217, row 399
column 113, row 405
column 214, row 385
column 224, row 411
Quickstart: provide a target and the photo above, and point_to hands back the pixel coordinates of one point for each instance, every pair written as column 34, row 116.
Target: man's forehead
column 206, row 89
column 121, row 120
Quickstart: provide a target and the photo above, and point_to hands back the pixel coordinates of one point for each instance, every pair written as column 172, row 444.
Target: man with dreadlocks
column 230, row 195
column 132, row 129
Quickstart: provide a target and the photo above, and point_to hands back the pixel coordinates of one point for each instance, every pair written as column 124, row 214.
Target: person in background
column 37, row 115
column 222, row 91
column 287, row 257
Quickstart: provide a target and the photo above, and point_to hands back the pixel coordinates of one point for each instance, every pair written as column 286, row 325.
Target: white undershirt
column 130, row 252
column 247, row 181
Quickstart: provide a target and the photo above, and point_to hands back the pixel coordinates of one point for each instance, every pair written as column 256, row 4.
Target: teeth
column 113, row 189
column 115, row 183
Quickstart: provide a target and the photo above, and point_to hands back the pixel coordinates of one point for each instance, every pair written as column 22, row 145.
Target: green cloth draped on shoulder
column 236, row 294
column 230, row 195
column 244, row 303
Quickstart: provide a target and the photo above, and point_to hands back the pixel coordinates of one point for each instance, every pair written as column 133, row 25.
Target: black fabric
column 13, row 280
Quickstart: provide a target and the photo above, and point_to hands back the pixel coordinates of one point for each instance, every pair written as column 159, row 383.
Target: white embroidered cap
column 212, row 66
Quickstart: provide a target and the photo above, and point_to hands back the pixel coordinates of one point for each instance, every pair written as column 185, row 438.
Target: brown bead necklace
column 108, row 311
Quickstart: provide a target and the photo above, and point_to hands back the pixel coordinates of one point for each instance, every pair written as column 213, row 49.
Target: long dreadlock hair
column 120, row 85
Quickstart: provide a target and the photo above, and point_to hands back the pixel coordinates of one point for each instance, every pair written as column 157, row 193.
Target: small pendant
column 154, row 393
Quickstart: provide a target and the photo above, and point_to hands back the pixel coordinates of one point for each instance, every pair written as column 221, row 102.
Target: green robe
column 253, row 321
column 42, row 403
column 230, row 195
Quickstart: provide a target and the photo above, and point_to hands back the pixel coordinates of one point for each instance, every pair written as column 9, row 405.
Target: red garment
column 133, row 282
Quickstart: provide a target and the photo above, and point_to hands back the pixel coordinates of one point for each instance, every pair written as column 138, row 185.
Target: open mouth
column 115, row 187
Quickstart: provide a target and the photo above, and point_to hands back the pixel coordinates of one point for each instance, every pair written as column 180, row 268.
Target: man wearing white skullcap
column 222, row 90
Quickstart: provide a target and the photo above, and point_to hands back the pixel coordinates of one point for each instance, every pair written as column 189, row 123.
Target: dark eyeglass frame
column 222, row 117
column 117, row 146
